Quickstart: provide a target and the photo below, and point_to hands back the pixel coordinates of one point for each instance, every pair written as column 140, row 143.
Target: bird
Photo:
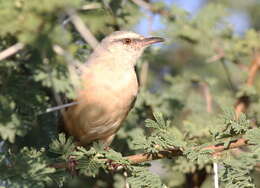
column 108, row 88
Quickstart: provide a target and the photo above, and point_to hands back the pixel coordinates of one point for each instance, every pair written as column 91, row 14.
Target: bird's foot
column 113, row 166
column 72, row 163
column 107, row 148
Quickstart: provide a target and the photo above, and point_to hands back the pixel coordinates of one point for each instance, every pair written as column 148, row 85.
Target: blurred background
column 241, row 15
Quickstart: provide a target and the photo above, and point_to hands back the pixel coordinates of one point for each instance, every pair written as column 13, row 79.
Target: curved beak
column 152, row 40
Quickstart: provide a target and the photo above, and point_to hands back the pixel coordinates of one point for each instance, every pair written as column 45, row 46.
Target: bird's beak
column 152, row 40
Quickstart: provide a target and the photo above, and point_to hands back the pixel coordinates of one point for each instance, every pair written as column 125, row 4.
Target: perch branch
column 145, row 157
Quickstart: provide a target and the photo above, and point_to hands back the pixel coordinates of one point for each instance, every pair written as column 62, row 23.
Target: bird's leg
column 107, row 141
column 72, row 163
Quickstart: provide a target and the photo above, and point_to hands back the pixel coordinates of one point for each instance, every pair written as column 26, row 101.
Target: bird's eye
column 127, row 41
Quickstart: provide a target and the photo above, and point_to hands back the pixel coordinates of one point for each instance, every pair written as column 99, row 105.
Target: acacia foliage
column 186, row 103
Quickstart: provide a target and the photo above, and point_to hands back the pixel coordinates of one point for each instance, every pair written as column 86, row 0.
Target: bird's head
column 127, row 45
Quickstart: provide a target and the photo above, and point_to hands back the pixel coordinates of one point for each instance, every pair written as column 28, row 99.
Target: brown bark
column 244, row 101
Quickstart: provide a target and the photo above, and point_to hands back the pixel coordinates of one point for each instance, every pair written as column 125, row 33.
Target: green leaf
column 141, row 177
column 253, row 135
column 62, row 146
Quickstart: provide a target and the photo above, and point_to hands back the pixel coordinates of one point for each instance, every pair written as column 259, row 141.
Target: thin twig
column 228, row 75
column 143, row 4
column 60, row 51
column 82, row 29
column 72, row 64
column 11, row 51
column 59, row 107
column 55, row 94
column 154, row 9
column 219, row 56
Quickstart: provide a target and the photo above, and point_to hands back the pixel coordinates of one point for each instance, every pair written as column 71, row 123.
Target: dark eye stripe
column 123, row 40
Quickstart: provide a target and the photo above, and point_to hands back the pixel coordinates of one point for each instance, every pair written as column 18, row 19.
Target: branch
column 207, row 96
column 154, row 9
column 91, row 6
column 143, row 74
column 143, row 4
column 244, row 101
column 145, row 157
column 11, row 51
column 139, row 158
column 82, row 29
column 253, row 70
column 219, row 55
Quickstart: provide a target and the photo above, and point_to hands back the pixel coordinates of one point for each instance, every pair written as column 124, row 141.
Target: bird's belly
column 101, row 110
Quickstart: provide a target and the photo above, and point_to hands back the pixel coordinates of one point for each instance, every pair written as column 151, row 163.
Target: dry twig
column 82, row 29
column 91, row 6
column 11, row 51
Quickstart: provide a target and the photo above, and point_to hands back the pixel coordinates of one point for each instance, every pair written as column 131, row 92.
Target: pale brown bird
column 108, row 88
